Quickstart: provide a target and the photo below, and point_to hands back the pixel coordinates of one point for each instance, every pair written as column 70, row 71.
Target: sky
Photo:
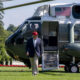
column 18, row 15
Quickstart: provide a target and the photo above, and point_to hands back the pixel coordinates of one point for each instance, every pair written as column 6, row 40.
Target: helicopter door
column 50, row 56
column 50, row 35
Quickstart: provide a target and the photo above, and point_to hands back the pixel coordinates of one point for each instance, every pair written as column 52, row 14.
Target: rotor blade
column 26, row 4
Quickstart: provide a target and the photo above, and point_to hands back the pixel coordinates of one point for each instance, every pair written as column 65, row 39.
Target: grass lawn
column 23, row 73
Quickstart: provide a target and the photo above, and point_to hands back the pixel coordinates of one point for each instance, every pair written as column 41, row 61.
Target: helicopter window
column 29, row 28
column 24, row 27
column 76, row 11
column 20, row 39
column 77, row 32
column 34, row 26
column 41, row 10
column 63, row 32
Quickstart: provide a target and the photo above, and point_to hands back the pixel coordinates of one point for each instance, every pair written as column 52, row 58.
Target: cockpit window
column 34, row 26
column 24, row 27
column 29, row 27
column 42, row 10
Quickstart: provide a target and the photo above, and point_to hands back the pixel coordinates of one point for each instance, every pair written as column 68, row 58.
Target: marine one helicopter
column 58, row 26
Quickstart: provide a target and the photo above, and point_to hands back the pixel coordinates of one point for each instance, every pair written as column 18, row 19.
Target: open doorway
column 50, row 35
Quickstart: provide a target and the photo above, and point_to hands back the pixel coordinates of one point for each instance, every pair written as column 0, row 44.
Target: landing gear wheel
column 66, row 68
column 74, row 68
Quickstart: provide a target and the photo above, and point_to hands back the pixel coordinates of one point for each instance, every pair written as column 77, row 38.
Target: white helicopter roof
column 64, row 4
column 4, row 0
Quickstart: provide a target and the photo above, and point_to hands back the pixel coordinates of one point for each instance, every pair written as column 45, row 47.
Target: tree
column 3, row 54
column 3, row 35
column 1, row 31
column 11, row 28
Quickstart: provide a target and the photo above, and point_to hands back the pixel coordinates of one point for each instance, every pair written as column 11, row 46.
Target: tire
column 74, row 68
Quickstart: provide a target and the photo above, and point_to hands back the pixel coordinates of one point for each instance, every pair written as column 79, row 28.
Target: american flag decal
column 62, row 11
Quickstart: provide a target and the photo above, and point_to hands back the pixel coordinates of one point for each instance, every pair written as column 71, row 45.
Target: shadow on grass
column 57, row 73
column 53, row 71
column 27, row 73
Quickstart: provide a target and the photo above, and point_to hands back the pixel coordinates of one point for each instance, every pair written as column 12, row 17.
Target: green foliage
column 7, row 33
column 11, row 28
column 1, row 45
column 0, row 57
column 3, row 52
column 3, row 55
column 3, row 35
column 1, row 31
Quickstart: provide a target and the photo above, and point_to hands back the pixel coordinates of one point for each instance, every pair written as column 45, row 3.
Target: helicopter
column 58, row 26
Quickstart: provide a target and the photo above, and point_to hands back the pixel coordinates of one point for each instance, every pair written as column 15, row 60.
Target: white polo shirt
column 34, row 42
